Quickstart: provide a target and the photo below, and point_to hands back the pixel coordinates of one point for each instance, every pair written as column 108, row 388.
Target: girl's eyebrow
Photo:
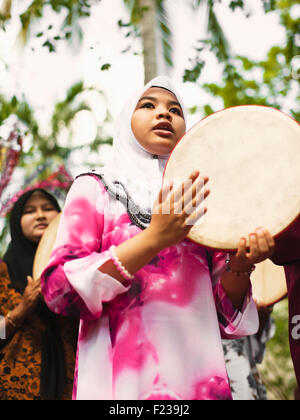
column 147, row 97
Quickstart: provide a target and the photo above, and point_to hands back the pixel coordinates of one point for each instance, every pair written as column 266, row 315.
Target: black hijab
column 19, row 260
column 21, row 251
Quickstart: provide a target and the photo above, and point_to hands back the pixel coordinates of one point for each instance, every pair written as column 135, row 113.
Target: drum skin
column 45, row 248
column 251, row 155
column 268, row 283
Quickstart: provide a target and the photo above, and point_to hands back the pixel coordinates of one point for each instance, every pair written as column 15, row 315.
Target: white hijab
column 136, row 168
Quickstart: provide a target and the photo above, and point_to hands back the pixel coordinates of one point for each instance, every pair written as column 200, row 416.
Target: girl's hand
column 261, row 247
column 31, row 295
column 175, row 212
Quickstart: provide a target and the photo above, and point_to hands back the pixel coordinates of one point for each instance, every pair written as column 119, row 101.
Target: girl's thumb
column 29, row 279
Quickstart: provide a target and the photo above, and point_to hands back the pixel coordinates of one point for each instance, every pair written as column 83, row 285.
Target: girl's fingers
column 190, row 195
column 164, row 192
column 242, row 248
column 184, row 199
column 194, row 204
column 29, row 280
column 195, row 217
column 262, row 242
column 254, row 248
column 269, row 238
column 185, row 186
column 163, row 196
column 167, row 199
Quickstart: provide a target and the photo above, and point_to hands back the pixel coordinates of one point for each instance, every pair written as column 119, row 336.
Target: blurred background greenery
column 277, row 370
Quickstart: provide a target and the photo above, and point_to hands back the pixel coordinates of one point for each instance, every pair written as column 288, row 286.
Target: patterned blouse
column 20, row 355
column 157, row 337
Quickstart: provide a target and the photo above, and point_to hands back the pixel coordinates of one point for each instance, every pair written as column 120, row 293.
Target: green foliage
column 73, row 10
column 266, row 82
column 43, row 150
column 47, row 146
column 235, row 4
column 277, row 369
column 166, row 33
column 218, row 42
column 105, row 66
column 22, row 110
column 136, row 12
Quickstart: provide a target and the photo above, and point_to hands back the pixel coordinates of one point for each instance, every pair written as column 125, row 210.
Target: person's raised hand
column 261, row 247
column 177, row 210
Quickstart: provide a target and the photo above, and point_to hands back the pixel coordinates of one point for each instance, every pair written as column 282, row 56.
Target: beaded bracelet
column 238, row 273
column 120, row 267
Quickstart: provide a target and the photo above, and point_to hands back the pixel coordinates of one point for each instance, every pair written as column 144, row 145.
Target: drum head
column 45, row 248
column 251, row 156
column 268, row 283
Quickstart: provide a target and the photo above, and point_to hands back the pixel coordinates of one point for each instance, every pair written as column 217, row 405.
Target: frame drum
column 268, row 283
column 251, row 155
column 45, row 248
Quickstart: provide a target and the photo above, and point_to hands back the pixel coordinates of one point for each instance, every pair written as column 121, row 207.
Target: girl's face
column 38, row 212
column 157, row 121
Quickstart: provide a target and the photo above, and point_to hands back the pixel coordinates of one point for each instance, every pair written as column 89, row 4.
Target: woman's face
column 38, row 212
column 157, row 121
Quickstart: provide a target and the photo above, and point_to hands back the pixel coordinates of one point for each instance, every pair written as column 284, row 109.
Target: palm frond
column 219, row 43
column 165, row 32
column 135, row 11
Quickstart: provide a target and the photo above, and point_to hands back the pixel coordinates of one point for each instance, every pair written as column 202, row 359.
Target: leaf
column 105, row 67
column 49, row 45
column 234, row 4
column 193, row 74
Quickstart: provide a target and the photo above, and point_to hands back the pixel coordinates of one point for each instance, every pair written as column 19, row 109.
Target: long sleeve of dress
column 232, row 322
column 287, row 253
column 71, row 283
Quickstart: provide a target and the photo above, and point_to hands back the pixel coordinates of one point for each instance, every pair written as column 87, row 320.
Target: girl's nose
column 164, row 114
column 40, row 214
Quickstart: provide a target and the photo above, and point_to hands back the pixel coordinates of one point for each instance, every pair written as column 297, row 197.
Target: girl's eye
column 147, row 105
column 176, row 111
column 28, row 211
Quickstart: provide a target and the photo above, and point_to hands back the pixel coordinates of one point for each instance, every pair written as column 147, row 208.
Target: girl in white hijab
column 153, row 305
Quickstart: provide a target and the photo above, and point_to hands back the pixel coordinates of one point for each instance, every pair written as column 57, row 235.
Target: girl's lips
column 164, row 129
column 41, row 226
column 164, row 126
column 163, row 133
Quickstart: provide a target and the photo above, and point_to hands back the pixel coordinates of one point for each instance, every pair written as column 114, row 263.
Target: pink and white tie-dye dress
column 158, row 337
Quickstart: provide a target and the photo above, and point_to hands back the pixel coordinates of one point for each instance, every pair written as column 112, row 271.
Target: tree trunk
column 148, row 32
column 5, row 8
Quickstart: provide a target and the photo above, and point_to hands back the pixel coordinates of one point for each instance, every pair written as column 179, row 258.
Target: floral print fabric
column 20, row 356
column 158, row 337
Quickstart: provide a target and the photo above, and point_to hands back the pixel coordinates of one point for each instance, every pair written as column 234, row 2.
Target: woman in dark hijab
column 37, row 356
